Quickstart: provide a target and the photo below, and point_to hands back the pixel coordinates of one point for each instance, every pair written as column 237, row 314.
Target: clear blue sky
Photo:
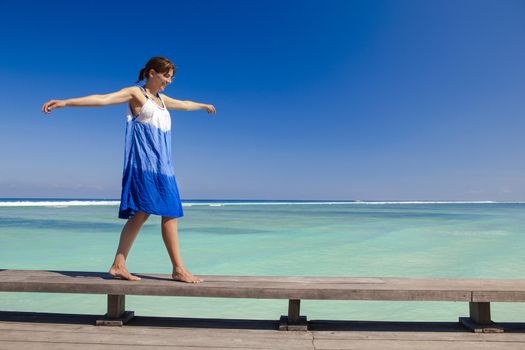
column 363, row 100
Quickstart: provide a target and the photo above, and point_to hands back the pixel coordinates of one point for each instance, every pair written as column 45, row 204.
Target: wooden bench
column 477, row 292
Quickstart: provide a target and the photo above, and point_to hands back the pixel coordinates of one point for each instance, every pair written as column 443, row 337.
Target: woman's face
column 160, row 80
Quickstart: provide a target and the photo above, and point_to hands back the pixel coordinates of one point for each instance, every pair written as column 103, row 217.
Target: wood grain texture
column 267, row 287
column 65, row 334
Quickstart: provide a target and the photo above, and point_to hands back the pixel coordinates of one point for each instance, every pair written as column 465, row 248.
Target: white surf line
column 220, row 204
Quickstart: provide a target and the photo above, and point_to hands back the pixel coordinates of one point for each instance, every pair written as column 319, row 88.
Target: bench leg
column 117, row 314
column 480, row 312
column 479, row 320
column 293, row 322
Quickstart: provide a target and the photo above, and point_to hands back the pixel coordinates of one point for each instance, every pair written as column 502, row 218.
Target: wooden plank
column 172, row 338
column 423, row 339
column 362, row 345
column 293, row 290
column 407, row 344
column 64, row 336
column 420, row 331
column 267, row 287
column 498, row 296
column 481, row 285
column 154, row 325
column 244, row 291
column 436, row 331
column 78, row 346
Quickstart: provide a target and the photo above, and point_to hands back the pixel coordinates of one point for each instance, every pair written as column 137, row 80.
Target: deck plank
column 35, row 335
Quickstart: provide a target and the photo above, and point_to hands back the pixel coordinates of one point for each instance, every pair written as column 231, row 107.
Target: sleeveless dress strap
column 144, row 92
column 149, row 98
column 161, row 100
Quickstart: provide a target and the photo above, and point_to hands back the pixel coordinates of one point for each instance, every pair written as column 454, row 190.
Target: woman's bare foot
column 183, row 275
column 122, row 272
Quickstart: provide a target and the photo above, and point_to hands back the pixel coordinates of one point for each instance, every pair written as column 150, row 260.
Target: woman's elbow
column 184, row 106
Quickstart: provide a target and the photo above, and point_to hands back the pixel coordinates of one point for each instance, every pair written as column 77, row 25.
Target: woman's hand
column 52, row 104
column 209, row 108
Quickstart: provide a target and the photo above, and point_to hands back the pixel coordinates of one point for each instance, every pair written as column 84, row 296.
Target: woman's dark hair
column 159, row 64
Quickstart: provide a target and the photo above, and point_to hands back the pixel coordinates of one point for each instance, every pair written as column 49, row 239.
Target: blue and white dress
column 148, row 181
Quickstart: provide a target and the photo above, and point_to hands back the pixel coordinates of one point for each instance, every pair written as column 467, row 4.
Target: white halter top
column 151, row 113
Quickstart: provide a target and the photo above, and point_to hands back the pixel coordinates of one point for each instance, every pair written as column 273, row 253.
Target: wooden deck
column 19, row 331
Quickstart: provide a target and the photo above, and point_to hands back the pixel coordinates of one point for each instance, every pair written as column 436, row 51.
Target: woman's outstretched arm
column 172, row 103
column 121, row 96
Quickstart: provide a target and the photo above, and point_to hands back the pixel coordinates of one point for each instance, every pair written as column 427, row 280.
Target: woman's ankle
column 179, row 268
column 118, row 266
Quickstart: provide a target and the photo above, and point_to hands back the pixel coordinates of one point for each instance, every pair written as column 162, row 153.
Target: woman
column 148, row 183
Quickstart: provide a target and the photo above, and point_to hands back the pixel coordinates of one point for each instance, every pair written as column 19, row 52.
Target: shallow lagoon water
column 456, row 240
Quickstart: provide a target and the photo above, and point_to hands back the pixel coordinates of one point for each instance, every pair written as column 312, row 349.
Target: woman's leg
column 127, row 237
column 171, row 240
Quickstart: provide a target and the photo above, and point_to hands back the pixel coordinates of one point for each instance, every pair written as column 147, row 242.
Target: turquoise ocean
column 269, row 238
